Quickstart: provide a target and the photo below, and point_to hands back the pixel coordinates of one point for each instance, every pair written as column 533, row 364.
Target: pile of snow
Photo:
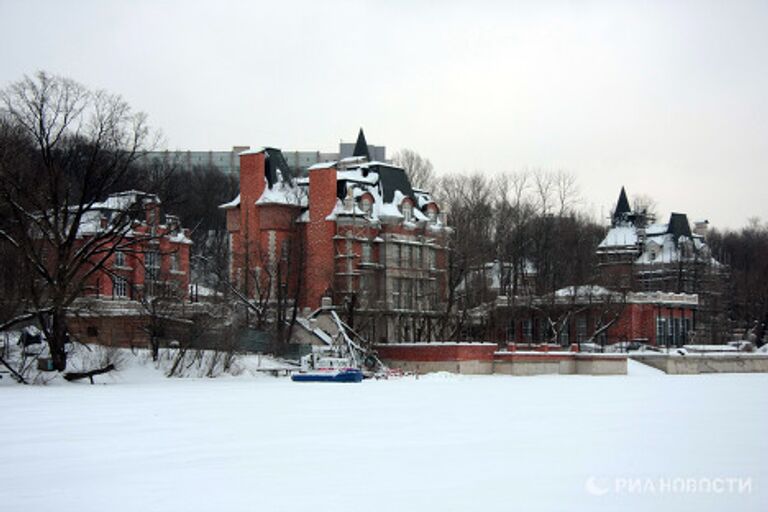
column 136, row 365
column 702, row 349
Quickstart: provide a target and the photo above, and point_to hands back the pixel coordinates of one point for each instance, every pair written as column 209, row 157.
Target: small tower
column 361, row 146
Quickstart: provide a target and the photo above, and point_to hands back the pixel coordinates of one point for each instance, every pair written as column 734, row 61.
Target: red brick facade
column 354, row 231
column 154, row 259
column 654, row 318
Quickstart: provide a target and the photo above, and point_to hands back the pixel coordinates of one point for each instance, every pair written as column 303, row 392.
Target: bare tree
column 645, row 205
column 744, row 258
column 469, row 205
column 514, row 212
column 544, row 190
column 68, row 147
column 567, row 192
column 418, row 168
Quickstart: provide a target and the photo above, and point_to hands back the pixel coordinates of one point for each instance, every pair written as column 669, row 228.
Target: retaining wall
column 485, row 358
column 691, row 364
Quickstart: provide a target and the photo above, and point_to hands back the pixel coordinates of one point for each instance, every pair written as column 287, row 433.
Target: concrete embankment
column 692, row 364
column 486, row 359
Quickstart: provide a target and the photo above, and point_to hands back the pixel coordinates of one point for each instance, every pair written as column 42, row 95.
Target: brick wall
column 437, row 351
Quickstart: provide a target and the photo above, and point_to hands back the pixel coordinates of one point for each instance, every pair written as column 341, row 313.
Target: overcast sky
column 668, row 98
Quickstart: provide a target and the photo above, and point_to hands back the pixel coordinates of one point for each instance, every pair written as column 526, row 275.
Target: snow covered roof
column 252, row 151
column 115, row 205
column 620, row 236
column 423, row 198
column 583, row 291
column 322, row 165
column 657, row 243
column 356, row 176
column 232, row 204
column 122, row 201
column 283, row 192
column 388, row 187
column 656, row 229
column 180, row 237
column 127, row 209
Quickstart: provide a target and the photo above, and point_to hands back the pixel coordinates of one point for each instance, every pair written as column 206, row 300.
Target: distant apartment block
column 229, row 161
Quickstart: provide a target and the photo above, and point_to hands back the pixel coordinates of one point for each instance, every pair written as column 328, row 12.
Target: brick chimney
column 320, row 267
column 252, row 185
column 252, row 177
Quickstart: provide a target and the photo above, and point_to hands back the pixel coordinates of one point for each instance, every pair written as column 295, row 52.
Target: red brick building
column 642, row 255
column 149, row 260
column 151, row 254
column 592, row 313
column 354, row 230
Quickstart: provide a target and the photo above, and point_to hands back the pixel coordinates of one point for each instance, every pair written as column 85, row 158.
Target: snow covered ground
column 441, row 442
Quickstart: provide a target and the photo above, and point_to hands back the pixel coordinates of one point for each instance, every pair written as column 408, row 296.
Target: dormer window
column 365, row 205
column 407, row 211
column 119, row 259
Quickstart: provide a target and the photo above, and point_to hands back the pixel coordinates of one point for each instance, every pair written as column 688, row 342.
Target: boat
column 329, row 375
column 325, row 366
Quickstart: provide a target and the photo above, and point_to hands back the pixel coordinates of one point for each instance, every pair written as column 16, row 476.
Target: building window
column 564, row 336
column 670, row 331
column 661, row 330
column 366, row 252
column 581, row 329
column 406, row 293
column 407, row 211
column 366, row 284
column 119, row 259
column 152, row 273
column 119, row 286
column 511, row 334
column 417, row 256
column 545, row 330
column 405, row 255
column 527, row 330
column 396, row 293
column 153, row 264
column 175, row 262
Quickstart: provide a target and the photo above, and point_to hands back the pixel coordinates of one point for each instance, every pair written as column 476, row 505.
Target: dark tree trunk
column 88, row 375
column 57, row 343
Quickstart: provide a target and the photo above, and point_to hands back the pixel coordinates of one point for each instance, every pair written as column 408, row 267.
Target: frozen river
column 646, row 441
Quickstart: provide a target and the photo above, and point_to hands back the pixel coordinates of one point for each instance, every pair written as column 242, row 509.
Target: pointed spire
column 623, row 205
column 622, row 211
column 361, row 146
